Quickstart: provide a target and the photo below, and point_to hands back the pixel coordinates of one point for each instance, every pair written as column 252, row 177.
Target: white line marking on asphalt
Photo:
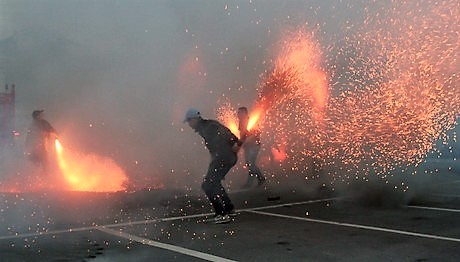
column 435, row 208
column 78, row 229
column 173, row 248
column 156, row 220
column 290, row 204
column 209, row 214
column 358, row 226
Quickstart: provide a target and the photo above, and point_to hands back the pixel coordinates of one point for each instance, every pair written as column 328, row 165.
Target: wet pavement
column 283, row 225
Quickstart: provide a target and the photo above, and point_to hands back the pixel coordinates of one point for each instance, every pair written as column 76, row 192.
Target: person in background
column 251, row 147
column 223, row 146
column 38, row 140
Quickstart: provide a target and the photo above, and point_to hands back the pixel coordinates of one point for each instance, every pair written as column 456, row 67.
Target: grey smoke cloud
column 115, row 77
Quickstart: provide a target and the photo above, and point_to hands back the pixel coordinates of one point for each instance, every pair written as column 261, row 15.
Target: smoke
column 115, row 77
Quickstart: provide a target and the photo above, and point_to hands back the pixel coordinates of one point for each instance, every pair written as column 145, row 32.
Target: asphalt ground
column 272, row 225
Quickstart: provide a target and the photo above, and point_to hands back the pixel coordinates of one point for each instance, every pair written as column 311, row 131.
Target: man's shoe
column 219, row 219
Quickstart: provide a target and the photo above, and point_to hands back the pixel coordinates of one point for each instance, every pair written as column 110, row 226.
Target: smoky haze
column 115, row 77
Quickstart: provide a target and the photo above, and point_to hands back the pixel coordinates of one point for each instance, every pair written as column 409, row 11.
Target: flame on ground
column 89, row 172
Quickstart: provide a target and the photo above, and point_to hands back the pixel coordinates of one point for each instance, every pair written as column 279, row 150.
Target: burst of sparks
column 394, row 97
column 227, row 115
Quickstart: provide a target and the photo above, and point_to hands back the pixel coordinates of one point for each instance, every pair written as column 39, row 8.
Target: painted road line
column 435, row 208
column 387, row 230
column 156, row 220
column 290, row 204
column 79, row 229
column 173, row 248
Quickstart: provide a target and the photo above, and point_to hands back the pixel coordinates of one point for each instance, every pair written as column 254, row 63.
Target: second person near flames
column 251, row 147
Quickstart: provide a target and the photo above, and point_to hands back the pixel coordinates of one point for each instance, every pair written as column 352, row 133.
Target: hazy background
column 115, row 77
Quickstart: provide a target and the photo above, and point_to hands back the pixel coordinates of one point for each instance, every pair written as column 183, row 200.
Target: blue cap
column 191, row 113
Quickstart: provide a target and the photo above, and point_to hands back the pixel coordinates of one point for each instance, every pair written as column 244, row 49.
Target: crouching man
column 223, row 146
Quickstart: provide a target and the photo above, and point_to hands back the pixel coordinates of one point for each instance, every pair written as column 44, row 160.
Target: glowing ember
column 89, row 172
column 254, row 118
column 226, row 115
column 402, row 91
column 394, row 94
column 294, row 96
column 279, row 154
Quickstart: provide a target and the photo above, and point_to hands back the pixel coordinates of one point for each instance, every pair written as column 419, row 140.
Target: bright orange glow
column 301, row 53
column 279, row 154
column 295, row 96
column 254, row 118
column 233, row 127
column 395, row 92
column 227, row 116
column 58, row 147
column 89, row 172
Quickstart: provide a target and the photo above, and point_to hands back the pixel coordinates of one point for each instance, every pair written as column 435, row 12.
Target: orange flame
column 89, row 172
column 279, row 154
column 254, row 118
column 302, row 53
column 227, row 115
column 231, row 124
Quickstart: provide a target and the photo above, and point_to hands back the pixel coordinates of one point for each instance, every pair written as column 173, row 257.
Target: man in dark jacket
column 38, row 141
column 223, row 146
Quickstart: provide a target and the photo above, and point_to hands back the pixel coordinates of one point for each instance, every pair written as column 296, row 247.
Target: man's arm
column 45, row 125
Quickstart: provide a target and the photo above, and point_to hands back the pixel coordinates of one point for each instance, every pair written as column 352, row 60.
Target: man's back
column 218, row 138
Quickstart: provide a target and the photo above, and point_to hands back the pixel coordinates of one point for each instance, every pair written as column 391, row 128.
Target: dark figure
column 251, row 147
column 38, row 139
column 223, row 146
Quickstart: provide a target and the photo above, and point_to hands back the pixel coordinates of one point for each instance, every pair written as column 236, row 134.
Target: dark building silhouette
column 7, row 112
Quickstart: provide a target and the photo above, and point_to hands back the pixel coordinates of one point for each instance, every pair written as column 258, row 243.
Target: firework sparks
column 294, row 96
column 226, row 114
column 403, row 94
column 400, row 95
